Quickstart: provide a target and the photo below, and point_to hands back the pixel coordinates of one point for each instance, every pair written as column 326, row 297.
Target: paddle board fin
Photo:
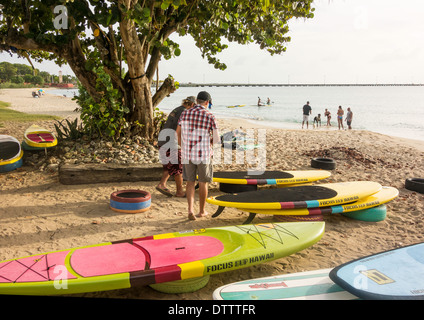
column 218, row 211
column 250, row 218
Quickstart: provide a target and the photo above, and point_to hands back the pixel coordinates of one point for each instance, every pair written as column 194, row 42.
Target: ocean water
column 392, row 110
column 70, row 93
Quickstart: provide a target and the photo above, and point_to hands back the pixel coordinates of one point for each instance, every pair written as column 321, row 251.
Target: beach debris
column 353, row 154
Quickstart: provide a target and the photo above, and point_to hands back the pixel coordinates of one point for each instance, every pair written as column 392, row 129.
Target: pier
column 298, row 85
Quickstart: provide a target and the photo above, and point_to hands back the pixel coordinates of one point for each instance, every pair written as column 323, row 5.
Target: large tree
column 87, row 34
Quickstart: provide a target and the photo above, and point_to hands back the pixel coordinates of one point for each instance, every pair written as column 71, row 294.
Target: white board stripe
column 341, row 295
column 276, row 285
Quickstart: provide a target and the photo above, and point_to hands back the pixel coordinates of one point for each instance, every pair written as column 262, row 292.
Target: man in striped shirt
column 197, row 131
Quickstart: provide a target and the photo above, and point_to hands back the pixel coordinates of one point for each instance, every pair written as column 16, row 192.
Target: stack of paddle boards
column 390, row 275
column 155, row 259
column 240, row 181
column 38, row 138
column 309, row 198
column 371, row 208
column 10, row 153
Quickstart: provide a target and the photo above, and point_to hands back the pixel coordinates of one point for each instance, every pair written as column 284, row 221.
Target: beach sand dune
column 39, row 214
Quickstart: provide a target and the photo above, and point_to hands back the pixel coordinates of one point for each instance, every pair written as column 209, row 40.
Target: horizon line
column 218, row 84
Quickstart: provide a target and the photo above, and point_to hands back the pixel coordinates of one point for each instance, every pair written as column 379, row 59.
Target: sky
column 348, row 41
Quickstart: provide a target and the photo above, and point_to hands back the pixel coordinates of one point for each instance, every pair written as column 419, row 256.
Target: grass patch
column 7, row 114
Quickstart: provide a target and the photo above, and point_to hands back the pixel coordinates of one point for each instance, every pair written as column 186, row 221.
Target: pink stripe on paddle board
column 36, row 268
column 314, row 211
column 287, row 205
column 166, row 252
column 108, row 259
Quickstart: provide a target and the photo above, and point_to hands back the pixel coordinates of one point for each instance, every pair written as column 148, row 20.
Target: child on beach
column 317, row 120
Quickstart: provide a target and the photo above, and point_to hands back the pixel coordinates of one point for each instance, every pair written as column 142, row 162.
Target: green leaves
column 108, row 115
column 144, row 25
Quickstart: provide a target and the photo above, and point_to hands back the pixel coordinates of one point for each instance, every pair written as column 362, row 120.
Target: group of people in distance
column 307, row 111
column 186, row 150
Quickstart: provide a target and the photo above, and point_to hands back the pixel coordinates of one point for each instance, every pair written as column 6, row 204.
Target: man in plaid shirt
column 197, row 131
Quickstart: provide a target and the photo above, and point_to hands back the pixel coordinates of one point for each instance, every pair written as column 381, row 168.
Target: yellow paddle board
column 322, row 195
column 385, row 195
column 270, row 177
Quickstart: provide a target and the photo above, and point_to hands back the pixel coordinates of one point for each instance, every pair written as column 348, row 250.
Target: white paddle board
column 309, row 285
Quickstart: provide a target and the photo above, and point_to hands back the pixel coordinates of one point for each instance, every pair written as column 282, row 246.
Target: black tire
column 323, row 163
column 415, row 184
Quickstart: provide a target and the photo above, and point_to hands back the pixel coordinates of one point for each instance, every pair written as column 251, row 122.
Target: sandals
column 164, row 191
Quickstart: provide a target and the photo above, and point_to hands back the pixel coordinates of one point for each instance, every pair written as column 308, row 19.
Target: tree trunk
column 143, row 109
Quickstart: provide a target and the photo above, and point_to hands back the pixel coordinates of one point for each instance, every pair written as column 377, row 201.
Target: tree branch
column 165, row 89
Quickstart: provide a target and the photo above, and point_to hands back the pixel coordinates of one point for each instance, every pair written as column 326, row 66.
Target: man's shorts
column 171, row 161
column 204, row 172
column 306, row 117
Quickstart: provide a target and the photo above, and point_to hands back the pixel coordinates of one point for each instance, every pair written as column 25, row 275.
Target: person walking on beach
column 197, row 131
column 340, row 114
column 307, row 110
column 169, row 153
column 328, row 115
column 349, row 117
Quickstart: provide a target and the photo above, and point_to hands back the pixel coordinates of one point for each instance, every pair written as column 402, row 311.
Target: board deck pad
column 155, row 259
column 395, row 274
column 38, row 137
column 309, row 285
column 270, row 177
column 309, row 196
column 385, row 195
column 41, row 137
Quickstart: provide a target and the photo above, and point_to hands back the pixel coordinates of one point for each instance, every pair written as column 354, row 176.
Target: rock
column 53, row 167
column 124, row 150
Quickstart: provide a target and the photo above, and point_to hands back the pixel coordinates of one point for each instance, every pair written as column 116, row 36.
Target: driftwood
column 102, row 173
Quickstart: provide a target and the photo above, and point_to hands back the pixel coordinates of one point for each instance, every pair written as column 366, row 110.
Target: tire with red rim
column 130, row 201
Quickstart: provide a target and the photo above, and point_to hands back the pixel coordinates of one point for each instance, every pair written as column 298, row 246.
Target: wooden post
column 71, row 174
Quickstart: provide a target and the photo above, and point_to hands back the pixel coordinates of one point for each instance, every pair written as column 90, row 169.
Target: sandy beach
column 39, row 214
